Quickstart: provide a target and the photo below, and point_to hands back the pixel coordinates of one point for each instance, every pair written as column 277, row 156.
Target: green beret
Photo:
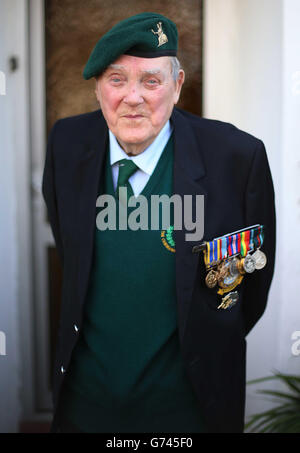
column 146, row 35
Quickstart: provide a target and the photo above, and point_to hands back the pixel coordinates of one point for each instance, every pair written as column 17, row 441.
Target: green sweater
column 126, row 372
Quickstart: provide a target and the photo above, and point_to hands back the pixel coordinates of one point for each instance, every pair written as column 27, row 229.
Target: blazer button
column 62, row 370
column 75, row 328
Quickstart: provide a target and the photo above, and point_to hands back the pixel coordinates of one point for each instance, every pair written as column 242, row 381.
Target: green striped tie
column 126, row 168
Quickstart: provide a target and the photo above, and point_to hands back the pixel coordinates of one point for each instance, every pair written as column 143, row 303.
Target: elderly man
column 144, row 345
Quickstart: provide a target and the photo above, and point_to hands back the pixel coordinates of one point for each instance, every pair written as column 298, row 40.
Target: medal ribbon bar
column 229, row 245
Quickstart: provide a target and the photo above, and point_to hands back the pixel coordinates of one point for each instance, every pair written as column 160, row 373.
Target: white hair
column 176, row 66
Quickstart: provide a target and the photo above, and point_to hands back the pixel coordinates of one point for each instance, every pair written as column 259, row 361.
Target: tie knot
column 126, row 168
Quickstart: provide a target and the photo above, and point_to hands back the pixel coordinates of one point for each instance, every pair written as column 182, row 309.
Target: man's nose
column 133, row 95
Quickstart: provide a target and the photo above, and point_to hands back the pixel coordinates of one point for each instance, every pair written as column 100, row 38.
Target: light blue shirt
column 146, row 161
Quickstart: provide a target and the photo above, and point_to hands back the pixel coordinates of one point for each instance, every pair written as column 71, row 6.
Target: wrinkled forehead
column 128, row 63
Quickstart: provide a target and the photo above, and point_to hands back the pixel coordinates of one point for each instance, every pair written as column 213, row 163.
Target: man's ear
column 97, row 93
column 179, row 82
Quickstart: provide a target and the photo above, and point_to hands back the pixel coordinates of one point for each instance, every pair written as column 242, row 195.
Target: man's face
column 137, row 96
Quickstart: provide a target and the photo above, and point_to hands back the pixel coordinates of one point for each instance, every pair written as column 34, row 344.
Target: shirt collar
column 147, row 160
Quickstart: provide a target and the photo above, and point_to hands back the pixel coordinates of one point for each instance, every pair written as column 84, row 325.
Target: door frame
column 41, row 232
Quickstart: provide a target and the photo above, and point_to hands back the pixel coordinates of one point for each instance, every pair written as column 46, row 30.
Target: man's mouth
column 132, row 116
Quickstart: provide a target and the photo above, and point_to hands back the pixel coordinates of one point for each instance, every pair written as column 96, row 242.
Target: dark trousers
column 67, row 427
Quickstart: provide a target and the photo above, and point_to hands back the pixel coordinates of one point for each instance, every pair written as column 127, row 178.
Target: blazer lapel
column 188, row 175
column 90, row 164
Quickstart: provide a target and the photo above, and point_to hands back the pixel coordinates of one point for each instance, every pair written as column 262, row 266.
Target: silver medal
column 260, row 259
column 233, row 270
column 228, row 278
column 249, row 264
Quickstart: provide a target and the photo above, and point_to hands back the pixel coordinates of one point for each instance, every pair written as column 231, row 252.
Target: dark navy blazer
column 211, row 158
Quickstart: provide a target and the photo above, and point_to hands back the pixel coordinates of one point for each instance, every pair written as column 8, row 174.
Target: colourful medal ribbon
column 238, row 242
column 206, row 255
column 262, row 235
column 211, row 252
column 243, row 244
column 216, row 249
column 230, row 251
column 258, row 237
column 245, row 241
column 219, row 245
column 251, row 243
column 234, row 244
column 224, row 247
column 229, row 245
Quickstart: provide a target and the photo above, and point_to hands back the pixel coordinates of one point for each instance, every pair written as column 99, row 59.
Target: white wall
column 14, row 207
column 8, row 248
column 290, row 191
column 251, row 51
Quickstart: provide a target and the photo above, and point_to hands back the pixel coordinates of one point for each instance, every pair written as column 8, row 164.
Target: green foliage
column 169, row 236
column 283, row 418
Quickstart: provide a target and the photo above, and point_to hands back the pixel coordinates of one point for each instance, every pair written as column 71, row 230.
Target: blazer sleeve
column 49, row 193
column 260, row 208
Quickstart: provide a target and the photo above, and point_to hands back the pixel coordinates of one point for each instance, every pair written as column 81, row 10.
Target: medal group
column 229, row 258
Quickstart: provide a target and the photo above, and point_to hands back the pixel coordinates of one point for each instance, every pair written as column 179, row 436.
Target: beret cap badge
column 162, row 37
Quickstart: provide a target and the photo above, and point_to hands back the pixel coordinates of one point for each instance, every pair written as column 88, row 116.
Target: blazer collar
column 188, row 149
column 90, row 166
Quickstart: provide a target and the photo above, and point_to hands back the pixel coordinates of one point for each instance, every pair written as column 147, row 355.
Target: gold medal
column 229, row 286
column 226, row 281
column 211, row 279
column 240, row 267
column 223, row 271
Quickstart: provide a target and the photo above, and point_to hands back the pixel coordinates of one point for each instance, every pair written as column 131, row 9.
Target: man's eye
column 152, row 82
column 116, row 79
